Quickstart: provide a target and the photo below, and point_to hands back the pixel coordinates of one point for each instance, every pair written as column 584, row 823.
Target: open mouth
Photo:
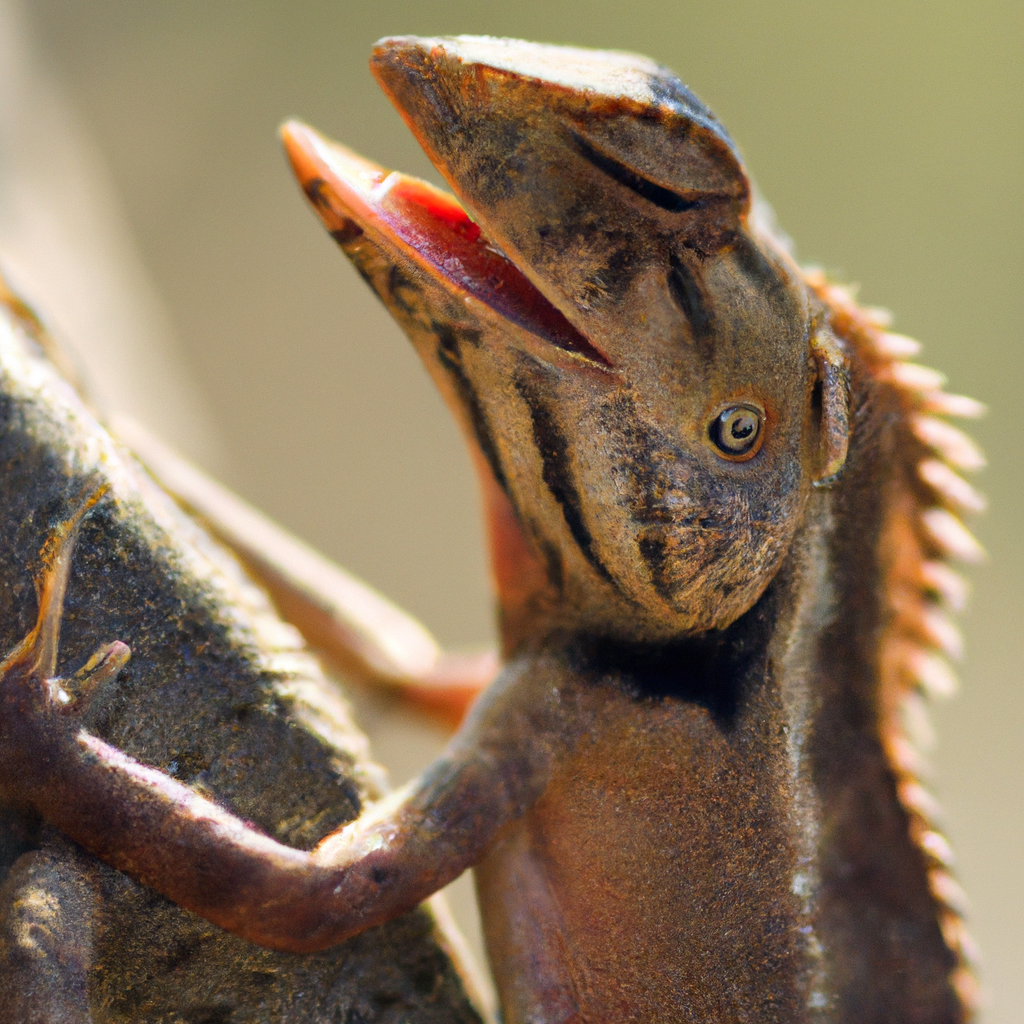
column 356, row 197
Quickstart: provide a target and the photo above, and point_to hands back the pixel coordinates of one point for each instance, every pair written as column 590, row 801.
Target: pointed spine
column 922, row 590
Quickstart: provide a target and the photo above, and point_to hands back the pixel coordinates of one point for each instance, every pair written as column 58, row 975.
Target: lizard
column 218, row 692
column 721, row 503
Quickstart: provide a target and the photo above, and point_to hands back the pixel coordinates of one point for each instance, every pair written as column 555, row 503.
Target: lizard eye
column 736, row 431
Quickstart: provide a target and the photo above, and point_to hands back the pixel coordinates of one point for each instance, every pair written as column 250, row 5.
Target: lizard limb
column 164, row 834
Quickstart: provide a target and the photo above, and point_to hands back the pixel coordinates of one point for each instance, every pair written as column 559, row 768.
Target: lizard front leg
column 207, row 860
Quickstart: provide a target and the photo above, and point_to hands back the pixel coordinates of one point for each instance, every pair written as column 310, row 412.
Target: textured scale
column 722, row 504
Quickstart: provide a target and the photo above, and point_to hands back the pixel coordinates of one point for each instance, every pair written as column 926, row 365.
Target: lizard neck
column 799, row 698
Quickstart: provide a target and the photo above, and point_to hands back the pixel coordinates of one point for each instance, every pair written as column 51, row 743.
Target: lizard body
column 720, row 504
column 743, row 641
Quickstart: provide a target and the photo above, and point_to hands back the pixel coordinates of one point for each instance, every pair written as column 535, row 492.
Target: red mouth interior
column 434, row 225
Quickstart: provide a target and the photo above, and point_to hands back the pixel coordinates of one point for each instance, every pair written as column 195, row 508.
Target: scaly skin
column 717, row 522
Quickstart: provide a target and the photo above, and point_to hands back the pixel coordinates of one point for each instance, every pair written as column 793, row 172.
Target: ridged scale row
column 925, row 533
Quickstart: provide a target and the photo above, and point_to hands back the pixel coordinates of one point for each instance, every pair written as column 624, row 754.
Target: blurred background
column 146, row 209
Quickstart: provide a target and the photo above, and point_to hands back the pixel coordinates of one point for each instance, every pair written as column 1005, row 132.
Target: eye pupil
column 736, row 429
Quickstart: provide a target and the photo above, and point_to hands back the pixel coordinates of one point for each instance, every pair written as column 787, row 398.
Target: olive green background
column 887, row 134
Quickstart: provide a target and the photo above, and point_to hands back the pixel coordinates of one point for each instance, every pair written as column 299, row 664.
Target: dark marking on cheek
column 348, row 232
column 552, row 562
column 661, row 556
column 553, row 448
column 651, row 472
column 653, row 551
column 317, row 190
column 758, row 268
column 675, row 562
column 449, row 355
column 688, row 295
column 682, row 517
column 447, row 344
column 616, row 278
column 399, row 283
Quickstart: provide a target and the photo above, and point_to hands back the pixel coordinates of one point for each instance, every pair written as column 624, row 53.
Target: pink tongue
column 436, row 227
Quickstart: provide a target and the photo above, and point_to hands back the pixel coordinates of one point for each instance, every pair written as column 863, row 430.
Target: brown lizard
column 720, row 505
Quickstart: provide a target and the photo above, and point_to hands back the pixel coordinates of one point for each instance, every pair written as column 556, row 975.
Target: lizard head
column 639, row 370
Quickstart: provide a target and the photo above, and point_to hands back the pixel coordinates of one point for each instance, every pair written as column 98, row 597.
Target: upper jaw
column 591, row 170
column 410, row 223
column 586, row 175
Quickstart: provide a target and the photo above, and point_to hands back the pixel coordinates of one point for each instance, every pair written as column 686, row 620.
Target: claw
column 100, row 669
column 73, row 696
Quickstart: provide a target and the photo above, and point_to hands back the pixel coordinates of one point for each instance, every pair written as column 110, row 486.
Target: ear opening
column 834, row 382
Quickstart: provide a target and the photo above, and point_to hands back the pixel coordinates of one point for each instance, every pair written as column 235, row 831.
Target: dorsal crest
column 923, row 536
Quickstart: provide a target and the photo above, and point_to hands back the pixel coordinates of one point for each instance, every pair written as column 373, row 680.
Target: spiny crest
column 925, row 533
